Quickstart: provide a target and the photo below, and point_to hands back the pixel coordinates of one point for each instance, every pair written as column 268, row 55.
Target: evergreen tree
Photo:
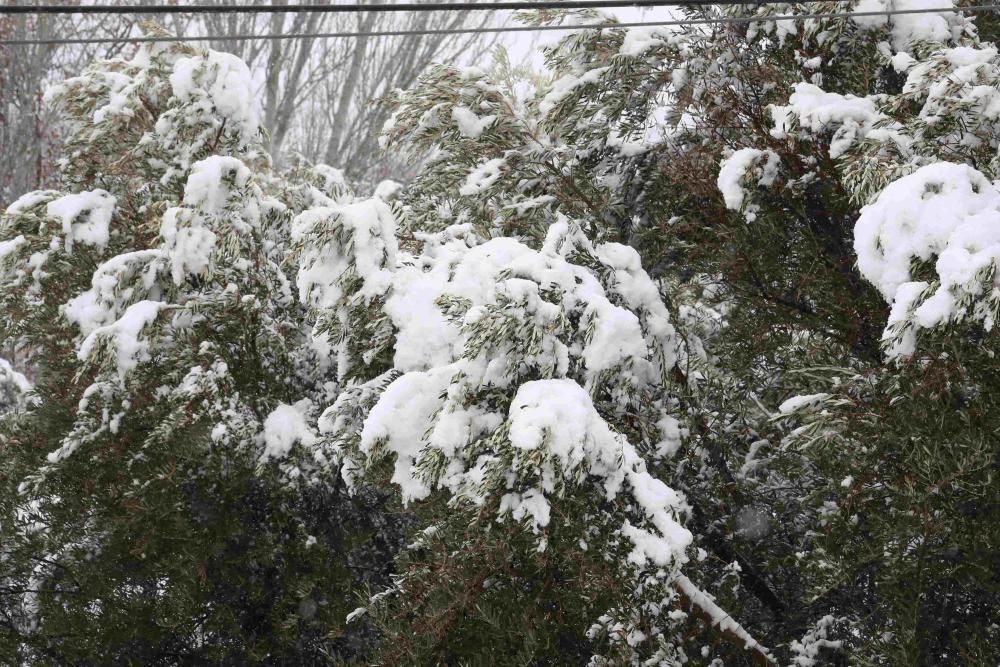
column 651, row 137
column 680, row 355
column 144, row 520
column 798, row 124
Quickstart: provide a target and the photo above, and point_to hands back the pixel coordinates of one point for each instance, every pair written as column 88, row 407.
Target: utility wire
column 722, row 20
column 349, row 8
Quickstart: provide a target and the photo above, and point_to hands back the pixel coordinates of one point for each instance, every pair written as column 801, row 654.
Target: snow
column 406, row 408
column 902, row 61
column 968, row 56
column 120, row 86
column 371, row 250
column 211, row 183
column 356, row 614
column 559, row 415
column 943, row 216
column 626, row 147
column 554, row 343
column 36, row 263
column 285, row 426
column 796, row 403
column 810, row 107
column 638, row 40
column 388, row 190
column 425, row 337
column 733, row 172
column 124, row 333
column 903, row 343
column 531, row 503
column 718, row 616
column 189, row 243
column 11, row 245
column 222, row 80
column 635, row 286
column 85, row 217
column 555, row 418
column 946, row 213
column 808, row 651
column 447, row 267
column 29, row 200
column 9, row 375
column 450, row 268
column 565, row 85
column 960, row 83
column 469, row 124
column 524, row 205
column 813, row 63
column 482, row 177
column 617, row 336
column 871, row 6
column 906, row 29
column 426, row 420
column 671, row 436
column 109, row 289
column 332, row 177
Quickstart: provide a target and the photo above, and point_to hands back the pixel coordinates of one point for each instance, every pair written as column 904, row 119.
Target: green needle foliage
column 141, row 524
column 682, row 353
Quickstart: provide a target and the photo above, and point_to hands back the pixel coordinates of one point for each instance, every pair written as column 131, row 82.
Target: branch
column 704, row 608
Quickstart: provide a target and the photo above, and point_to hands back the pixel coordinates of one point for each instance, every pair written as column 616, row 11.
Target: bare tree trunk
column 291, row 98
column 335, row 144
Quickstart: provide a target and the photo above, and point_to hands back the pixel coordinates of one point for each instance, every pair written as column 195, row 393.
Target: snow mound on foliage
column 796, row 403
column 815, row 110
column 558, row 416
column 404, row 409
column 482, row 177
column 505, row 271
column 906, row 29
column 961, row 84
column 124, row 335
column 11, row 245
column 102, row 303
column 212, row 181
column 734, row 172
column 565, row 85
column 186, row 230
column 85, row 217
column 371, row 254
column 499, row 346
column 944, row 213
column 470, row 124
column 285, row 426
column 640, row 39
column 222, row 81
column 12, row 378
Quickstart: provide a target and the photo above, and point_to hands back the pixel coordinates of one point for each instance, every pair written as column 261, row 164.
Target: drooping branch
column 703, row 607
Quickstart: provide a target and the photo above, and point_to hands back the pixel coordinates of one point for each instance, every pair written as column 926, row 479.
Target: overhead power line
column 721, row 20
column 345, row 8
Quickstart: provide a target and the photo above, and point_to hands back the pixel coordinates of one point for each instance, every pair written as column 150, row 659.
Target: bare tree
column 316, row 94
column 29, row 132
column 378, row 66
column 23, row 140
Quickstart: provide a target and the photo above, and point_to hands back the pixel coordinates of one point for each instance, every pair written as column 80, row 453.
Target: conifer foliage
column 682, row 353
column 142, row 521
